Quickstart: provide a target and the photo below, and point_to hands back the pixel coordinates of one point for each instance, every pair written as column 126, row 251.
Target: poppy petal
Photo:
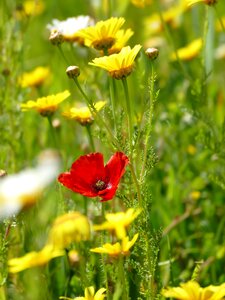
column 68, row 181
column 115, row 167
column 108, row 193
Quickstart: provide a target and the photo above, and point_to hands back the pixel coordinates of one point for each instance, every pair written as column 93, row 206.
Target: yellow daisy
column 117, row 248
column 34, row 78
column 103, row 34
column 208, row 2
column 46, row 105
column 122, row 37
column 118, row 65
column 89, row 294
column 83, row 114
column 118, row 222
column 69, row 228
column 189, row 52
column 192, row 290
column 33, row 259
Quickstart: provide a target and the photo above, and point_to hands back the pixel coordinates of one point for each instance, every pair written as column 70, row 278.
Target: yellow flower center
column 123, row 72
column 104, row 43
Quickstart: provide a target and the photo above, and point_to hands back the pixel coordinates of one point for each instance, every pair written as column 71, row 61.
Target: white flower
column 70, row 26
column 22, row 189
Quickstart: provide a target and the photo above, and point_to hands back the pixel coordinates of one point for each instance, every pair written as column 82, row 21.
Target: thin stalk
column 136, row 184
column 52, row 131
column 206, row 27
column 63, row 55
column 91, row 140
column 93, row 109
column 127, row 98
column 102, row 255
column 112, row 97
column 85, row 206
column 149, row 128
column 112, row 92
column 122, row 278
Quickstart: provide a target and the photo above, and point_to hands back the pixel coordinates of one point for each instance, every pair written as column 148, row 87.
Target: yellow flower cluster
column 118, row 223
column 68, row 228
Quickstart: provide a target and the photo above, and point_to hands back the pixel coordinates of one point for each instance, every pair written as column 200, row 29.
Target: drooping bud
column 56, row 37
column 152, row 53
column 73, row 71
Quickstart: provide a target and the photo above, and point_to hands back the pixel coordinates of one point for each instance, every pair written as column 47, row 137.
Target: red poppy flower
column 89, row 177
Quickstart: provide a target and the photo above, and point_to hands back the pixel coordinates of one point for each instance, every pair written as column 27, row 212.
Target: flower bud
column 73, row 71
column 152, row 53
column 3, row 173
column 56, row 37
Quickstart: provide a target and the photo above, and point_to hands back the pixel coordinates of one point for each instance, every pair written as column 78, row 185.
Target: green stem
column 88, row 127
column 63, row 55
column 52, row 131
column 127, row 98
column 93, row 110
column 85, row 206
column 102, row 255
column 206, row 27
column 149, row 128
column 112, row 97
column 122, row 278
column 136, row 184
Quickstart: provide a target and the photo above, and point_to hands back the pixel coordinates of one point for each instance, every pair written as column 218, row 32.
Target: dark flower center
column 100, row 185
